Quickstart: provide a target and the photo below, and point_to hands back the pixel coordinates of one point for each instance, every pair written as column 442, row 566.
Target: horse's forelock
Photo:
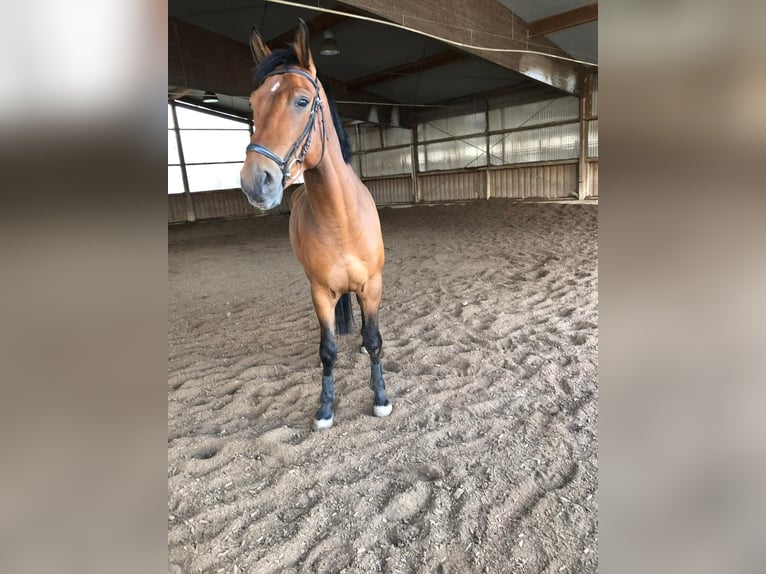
column 277, row 59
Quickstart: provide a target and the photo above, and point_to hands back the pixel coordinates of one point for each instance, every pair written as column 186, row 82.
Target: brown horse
column 334, row 225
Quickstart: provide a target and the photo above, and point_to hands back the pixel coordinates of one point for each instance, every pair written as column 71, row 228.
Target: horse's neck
column 332, row 190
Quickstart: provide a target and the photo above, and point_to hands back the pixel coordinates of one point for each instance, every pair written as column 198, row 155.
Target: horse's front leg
column 369, row 301
column 324, row 305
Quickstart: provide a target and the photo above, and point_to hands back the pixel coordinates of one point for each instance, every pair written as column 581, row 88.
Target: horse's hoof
column 322, row 424
column 382, row 410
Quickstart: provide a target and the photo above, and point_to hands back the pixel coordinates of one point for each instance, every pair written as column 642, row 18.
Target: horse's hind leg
column 324, row 304
column 369, row 300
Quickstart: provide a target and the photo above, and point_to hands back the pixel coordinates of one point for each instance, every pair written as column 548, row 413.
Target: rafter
column 202, row 60
column 562, row 21
column 432, row 61
column 356, row 111
column 531, row 91
column 487, row 23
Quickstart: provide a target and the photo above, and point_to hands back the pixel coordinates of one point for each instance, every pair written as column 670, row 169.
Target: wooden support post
column 362, row 150
column 582, row 164
column 190, row 215
column 487, row 189
column 414, row 161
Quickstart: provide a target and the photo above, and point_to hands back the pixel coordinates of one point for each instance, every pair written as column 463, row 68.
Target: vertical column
column 360, row 152
column 487, row 188
column 582, row 165
column 414, row 152
column 190, row 216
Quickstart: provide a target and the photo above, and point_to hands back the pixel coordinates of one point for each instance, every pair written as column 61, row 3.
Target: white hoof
column 382, row 411
column 322, row 424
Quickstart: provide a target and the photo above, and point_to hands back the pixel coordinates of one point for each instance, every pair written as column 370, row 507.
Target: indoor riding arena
column 483, row 165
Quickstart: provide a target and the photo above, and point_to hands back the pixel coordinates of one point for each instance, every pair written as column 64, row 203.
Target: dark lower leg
column 328, row 353
column 373, row 343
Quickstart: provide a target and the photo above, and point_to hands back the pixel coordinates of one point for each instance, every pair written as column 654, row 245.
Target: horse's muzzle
column 262, row 187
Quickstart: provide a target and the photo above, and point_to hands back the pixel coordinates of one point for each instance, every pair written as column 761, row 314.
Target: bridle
column 286, row 164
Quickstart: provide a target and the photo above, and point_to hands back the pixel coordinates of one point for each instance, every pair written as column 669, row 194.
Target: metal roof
column 531, row 10
column 371, row 53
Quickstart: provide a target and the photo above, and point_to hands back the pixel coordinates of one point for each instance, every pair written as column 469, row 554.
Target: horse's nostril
column 266, row 179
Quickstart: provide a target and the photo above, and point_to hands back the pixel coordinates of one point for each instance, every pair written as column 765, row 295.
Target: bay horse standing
column 334, row 226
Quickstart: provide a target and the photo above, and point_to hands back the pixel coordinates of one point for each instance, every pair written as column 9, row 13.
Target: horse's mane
column 287, row 57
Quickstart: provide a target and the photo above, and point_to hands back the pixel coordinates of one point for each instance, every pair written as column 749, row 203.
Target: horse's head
column 287, row 117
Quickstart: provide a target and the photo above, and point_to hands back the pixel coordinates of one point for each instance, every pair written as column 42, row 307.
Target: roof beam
column 485, row 23
column 316, row 26
column 433, row 61
column 557, row 22
column 359, row 110
column 202, row 60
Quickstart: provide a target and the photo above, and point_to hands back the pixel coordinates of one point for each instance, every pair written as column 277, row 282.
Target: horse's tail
column 344, row 315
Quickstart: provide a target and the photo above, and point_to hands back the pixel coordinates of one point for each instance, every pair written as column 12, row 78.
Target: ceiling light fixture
column 210, row 98
column 329, row 45
column 394, row 123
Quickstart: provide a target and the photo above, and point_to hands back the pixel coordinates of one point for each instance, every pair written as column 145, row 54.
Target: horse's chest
column 356, row 271
column 341, row 261
column 344, row 272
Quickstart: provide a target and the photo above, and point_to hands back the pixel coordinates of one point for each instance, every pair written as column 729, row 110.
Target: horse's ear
column 302, row 48
column 259, row 50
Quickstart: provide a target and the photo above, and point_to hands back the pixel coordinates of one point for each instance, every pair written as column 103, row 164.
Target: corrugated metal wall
column 593, row 138
column 391, row 190
column 455, row 154
column 226, row 203
column 592, row 178
column 214, row 204
column 176, row 208
column 503, row 116
column 594, row 100
column 525, row 161
column 380, row 151
column 452, row 186
column 546, row 181
column 456, row 126
column 540, row 181
column 386, row 162
column 538, row 144
column 369, row 138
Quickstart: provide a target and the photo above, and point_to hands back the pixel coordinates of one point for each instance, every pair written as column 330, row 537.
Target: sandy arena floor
column 488, row 461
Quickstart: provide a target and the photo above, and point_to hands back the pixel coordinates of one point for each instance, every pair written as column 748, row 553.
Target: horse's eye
column 301, row 102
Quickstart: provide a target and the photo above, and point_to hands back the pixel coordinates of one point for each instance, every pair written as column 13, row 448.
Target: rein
column 286, row 164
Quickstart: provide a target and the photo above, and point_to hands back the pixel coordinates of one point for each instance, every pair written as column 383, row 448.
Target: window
column 213, row 149
column 443, row 143
column 520, row 140
column 381, row 151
